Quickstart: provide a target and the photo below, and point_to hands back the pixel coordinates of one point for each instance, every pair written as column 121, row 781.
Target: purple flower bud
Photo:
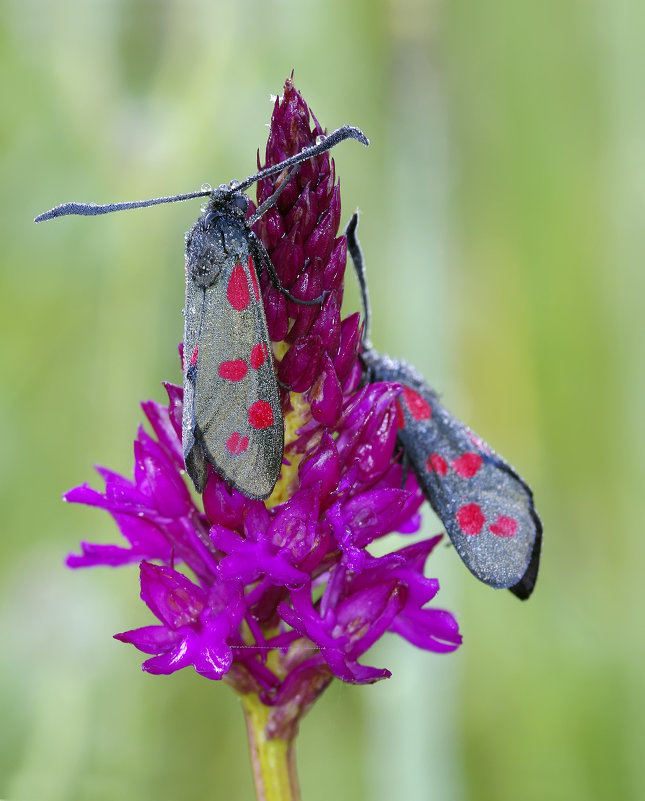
column 327, row 324
column 325, row 187
column 288, row 252
column 155, row 474
column 322, row 238
column 365, row 516
column 170, row 596
column 321, row 466
column 275, row 306
column 302, row 216
column 334, row 270
column 227, row 506
column 270, row 228
column 305, row 316
column 326, row 394
column 166, row 422
column 347, row 351
column 300, row 365
column 369, row 427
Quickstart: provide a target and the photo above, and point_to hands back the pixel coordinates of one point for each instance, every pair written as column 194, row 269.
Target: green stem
column 273, row 758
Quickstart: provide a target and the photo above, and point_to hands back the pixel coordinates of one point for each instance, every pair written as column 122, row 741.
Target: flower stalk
column 273, row 759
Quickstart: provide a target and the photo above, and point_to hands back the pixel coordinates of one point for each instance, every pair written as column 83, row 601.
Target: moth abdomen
column 214, row 243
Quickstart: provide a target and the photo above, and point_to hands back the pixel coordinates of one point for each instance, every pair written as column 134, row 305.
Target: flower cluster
column 277, row 597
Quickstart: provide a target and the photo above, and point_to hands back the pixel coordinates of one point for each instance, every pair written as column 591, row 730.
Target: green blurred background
column 502, row 198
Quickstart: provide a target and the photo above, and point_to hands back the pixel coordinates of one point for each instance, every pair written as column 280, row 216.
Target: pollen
column 294, row 419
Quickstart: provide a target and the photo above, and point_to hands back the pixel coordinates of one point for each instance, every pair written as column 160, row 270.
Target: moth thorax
column 204, row 272
column 205, row 255
column 226, row 202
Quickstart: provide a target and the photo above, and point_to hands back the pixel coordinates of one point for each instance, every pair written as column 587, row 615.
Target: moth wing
column 486, row 507
column 233, row 413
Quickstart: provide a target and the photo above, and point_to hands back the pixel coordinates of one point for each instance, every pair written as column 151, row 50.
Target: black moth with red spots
column 486, row 507
column 232, row 417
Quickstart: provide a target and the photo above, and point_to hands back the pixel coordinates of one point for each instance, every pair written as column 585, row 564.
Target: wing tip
column 525, row 586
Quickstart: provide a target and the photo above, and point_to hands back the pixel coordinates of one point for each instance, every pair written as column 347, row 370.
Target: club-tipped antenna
column 271, row 200
column 93, row 209
column 324, row 143
column 356, row 254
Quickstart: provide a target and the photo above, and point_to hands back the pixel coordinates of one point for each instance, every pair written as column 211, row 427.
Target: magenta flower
column 276, row 597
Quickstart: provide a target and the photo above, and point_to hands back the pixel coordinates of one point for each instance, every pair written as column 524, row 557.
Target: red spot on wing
column 468, row 464
column 193, row 358
column 254, row 279
column 504, row 526
column 234, row 370
column 237, row 290
column 400, row 417
column 471, row 519
column 259, row 355
column 237, row 443
column 437, row 463
column 419, row 408
column 261, row 414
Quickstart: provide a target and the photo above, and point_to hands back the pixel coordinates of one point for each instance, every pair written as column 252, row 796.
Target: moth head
column 227, row 201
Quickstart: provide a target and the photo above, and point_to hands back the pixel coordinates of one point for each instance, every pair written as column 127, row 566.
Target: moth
column 485, row 506
column 232, row 416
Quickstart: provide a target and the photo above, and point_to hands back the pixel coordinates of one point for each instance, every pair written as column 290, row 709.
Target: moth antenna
column 271, row 200
column 356, row 254
column 92, row 209
column 325, row 143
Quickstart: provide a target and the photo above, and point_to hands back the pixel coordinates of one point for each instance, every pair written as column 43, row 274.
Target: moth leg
column 405, row 464
column 262, row 257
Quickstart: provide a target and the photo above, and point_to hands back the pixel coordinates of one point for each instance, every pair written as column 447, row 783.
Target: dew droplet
column 207, row 188
column 320, row 139
column 234, row 184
